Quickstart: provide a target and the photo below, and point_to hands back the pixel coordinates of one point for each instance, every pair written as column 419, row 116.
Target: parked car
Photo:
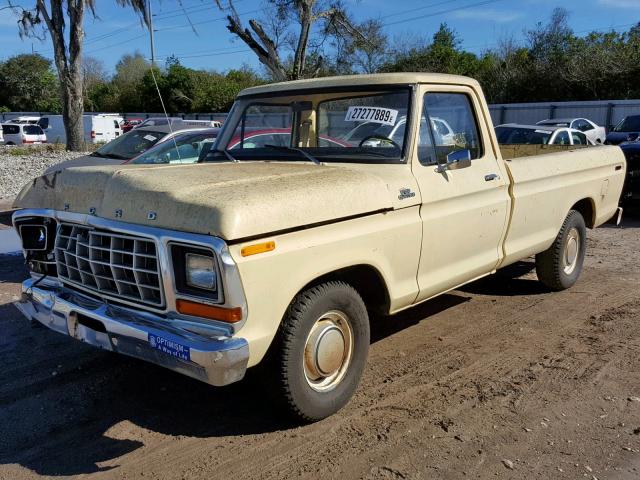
column 97, row 128
column 184, row 147
column 130, row 123
column 513, row 134
column 154, row 121
column 628, row 130
column 631, row 190
column 278, row 257
column 22, row 134
column 125, row 147
column 594, row 133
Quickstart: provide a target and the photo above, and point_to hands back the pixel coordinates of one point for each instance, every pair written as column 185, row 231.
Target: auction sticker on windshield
column 169, row 347
column 386, row 116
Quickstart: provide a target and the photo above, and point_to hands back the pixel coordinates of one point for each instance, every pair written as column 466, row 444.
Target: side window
column 583, row 125
column 44, row 123
column 579, row 138
column 448, row 124
column 562, row 138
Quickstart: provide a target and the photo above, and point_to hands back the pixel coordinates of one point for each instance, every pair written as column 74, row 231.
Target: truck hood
column 232, row 200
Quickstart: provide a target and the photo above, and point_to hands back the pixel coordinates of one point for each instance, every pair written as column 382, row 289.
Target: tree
column 27, row 83
column 442, row 55
column 364, row 53
column 63, row 20
column 130, row 71
column 271, row 43
column 94, row 77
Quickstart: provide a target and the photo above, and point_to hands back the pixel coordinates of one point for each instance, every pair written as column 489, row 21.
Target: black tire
column 288, row 363
column 552, row 266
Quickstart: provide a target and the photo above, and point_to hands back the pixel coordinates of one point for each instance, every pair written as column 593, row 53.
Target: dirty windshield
column 329, row 126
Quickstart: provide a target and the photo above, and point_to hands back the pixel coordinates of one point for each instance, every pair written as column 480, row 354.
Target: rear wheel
column 321, row 350
column 560, row 265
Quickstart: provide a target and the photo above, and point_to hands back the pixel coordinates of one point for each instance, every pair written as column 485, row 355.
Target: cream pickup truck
column 322, row 201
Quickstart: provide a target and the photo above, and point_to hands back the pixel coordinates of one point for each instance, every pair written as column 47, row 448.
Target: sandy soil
column 501, row 379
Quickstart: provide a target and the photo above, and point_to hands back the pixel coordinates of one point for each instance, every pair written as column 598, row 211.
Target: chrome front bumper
column 212, row 355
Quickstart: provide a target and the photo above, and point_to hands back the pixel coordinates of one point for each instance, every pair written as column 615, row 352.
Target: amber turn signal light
column 257, row 248
column 229, row 315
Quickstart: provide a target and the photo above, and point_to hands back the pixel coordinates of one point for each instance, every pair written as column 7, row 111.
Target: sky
column 480, row 24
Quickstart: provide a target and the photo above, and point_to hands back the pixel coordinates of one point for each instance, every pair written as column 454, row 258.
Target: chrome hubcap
column 571, row 251
column 328, row 350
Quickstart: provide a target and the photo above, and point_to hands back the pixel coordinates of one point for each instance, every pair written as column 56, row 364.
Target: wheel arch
column 586, row 208
column 367, row 281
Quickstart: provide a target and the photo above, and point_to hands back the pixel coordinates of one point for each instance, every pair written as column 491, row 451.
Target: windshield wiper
column 294, row 149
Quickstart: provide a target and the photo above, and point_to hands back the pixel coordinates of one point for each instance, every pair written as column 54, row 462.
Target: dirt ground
column 501, row 379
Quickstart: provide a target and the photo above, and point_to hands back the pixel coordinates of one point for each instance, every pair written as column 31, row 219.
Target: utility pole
column 153, row 49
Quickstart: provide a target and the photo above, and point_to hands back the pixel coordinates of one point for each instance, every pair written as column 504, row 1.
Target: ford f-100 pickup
column 322, row 201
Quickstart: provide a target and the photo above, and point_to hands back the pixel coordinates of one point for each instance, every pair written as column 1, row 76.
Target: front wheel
column 321, row 350
column 560, row 265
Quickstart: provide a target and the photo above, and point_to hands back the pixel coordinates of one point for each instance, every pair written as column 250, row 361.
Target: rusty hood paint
column 232, row 200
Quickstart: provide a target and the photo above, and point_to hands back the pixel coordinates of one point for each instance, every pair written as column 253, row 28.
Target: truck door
column 465, row 202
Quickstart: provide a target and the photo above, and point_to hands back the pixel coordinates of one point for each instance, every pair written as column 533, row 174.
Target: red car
column 130, row 123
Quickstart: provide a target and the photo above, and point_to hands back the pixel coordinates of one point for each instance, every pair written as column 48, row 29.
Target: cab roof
column 377, row 79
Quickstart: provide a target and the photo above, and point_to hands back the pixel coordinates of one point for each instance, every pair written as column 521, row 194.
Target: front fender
column 389, row 242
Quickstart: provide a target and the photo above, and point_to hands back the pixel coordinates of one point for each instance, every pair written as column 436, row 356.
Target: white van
column 97, row 128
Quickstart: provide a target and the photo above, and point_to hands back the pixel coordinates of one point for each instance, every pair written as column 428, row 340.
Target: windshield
column 183, row 148
column 367, row 127
column 129, row 145
column 515, row 135
column 629, row 124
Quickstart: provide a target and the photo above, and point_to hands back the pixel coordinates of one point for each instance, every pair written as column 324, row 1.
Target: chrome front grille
column 118, row 265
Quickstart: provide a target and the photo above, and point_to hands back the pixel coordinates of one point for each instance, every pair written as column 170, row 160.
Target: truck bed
column 542, row 184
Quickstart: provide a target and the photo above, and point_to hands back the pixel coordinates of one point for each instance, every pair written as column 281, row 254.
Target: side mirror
column 456, row 160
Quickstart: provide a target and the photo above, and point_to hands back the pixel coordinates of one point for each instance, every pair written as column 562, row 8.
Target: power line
column 116, row 44
column 419, row 8
column 441, row 12
column 200, row 7
column 218, row 19
column 230, row 52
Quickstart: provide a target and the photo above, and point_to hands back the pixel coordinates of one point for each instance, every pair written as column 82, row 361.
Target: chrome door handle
column 491, row 176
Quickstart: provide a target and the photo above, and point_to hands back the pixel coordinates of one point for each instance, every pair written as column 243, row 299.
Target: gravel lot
column 500, row 379
column 17, row 170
